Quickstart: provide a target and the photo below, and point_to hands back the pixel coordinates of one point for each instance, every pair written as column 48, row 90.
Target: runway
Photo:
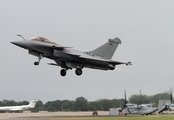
column 49, row 115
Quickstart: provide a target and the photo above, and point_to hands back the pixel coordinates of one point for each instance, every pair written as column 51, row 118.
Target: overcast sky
column 146, row 29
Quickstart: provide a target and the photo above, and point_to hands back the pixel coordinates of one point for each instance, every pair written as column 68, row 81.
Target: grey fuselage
column 143, row 109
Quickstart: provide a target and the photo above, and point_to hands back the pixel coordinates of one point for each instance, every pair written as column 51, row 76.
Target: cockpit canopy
column 42, row 39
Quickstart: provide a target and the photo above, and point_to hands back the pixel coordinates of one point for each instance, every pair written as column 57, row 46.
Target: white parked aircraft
column 18, row 108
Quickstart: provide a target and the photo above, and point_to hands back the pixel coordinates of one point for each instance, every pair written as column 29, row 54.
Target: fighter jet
column 19, row 108
column 68, row 58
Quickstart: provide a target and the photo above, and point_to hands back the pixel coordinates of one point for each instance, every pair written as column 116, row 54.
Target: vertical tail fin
column 32, row 103
column 163, row 105
column 107, row 50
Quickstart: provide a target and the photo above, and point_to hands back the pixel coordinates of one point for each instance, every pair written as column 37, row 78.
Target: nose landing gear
column 36, row 63
column 39, row 58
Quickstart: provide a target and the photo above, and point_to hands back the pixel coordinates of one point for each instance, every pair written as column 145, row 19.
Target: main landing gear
column 39, row 58
column 78, row 72
column 63, row 72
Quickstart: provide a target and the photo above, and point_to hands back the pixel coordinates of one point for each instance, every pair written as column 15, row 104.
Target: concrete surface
column 47, row 115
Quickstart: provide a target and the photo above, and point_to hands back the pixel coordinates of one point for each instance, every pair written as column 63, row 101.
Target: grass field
column 157, row 117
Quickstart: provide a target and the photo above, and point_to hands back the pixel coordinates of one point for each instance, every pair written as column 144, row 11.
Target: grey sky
column 146, row 29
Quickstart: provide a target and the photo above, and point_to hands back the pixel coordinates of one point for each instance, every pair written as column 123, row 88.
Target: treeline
column 154, row 99
column 82, row 104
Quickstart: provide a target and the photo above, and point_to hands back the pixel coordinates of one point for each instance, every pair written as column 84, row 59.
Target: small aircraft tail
column 107, row 50
column 32, row 103
column 163, row 105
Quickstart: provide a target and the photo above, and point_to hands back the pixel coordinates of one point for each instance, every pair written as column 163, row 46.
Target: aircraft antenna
column 21, row 37
column 140, row 98
column 171, row 98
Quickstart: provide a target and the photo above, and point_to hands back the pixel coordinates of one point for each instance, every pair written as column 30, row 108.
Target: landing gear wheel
column 78, row 71
column 39, row 58
column 63, row 72
column 36, row 63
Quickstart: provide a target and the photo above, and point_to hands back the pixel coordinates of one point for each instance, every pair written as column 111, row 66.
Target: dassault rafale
column 68, row 58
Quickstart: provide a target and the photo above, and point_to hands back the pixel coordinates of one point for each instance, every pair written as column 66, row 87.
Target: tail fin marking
column 107, row 50
column 32, row 103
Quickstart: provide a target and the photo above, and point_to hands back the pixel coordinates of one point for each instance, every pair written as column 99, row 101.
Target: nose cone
column 22, row 44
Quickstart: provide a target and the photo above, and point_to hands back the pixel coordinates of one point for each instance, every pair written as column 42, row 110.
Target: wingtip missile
column 128, row 63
